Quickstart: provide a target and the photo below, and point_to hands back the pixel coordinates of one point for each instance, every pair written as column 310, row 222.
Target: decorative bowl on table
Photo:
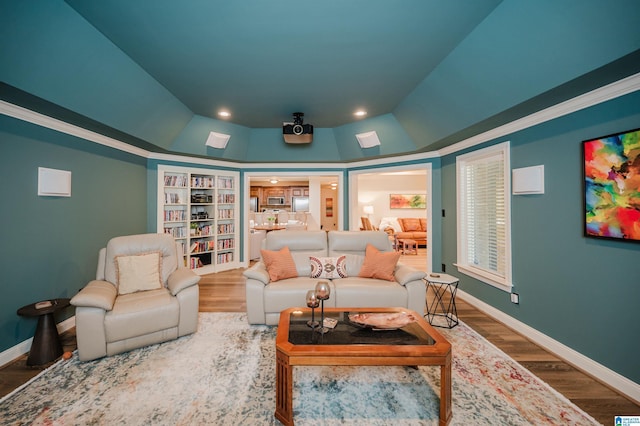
column 384, row 320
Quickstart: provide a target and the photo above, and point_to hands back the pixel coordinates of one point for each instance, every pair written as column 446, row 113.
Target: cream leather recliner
column 108, row 323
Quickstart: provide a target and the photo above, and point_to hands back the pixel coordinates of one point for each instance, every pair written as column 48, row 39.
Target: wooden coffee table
column 296, row 345
column 408, row 246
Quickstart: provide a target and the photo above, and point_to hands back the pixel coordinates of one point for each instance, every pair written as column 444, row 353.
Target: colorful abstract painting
column 402, row 201
column 612, row 186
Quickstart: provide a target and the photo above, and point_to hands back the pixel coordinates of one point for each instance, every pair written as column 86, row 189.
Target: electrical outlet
column 515, row 298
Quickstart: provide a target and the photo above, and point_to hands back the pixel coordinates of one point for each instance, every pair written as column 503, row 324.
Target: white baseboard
column 22, row 348
column 607, row 376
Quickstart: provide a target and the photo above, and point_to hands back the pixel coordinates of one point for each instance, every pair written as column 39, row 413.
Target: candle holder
column 322, row 293
column 313, row 303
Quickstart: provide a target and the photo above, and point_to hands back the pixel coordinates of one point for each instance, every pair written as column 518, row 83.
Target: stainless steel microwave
column 275, row 201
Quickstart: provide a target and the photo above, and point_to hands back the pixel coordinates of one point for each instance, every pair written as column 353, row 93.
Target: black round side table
column 46, row 344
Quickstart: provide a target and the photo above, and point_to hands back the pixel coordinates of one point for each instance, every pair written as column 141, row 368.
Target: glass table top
column 348, row 332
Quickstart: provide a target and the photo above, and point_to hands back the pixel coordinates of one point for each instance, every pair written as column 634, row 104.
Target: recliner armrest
column 405, row 274
column 258, row 272
column 180, row 279
column 96, row 294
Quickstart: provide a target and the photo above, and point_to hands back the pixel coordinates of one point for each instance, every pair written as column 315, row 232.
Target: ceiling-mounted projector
column 297, row 132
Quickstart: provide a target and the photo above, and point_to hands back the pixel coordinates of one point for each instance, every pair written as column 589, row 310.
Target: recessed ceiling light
column 360, row 113
column 334, row 184
column 274, row 181
column 224, row 114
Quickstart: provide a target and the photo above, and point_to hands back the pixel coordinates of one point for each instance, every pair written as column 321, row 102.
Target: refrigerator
column 299, row 204
column 253, row 204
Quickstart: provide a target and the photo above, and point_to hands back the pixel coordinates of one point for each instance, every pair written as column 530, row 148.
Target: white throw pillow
column 328, row 267
column 139, row 272
column 390, row 222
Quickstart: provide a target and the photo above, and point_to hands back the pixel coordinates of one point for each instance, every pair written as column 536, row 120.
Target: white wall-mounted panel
column 527, row 180
column 54, row 183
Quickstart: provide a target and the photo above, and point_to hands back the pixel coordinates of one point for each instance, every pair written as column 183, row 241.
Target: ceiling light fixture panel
column 217, row 140
column 368, row 139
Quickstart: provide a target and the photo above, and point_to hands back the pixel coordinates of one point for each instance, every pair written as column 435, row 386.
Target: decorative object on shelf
column 313, row 303
column 323, row 291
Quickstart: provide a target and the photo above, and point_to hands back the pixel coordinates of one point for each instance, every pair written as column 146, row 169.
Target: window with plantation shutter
column 484, row 218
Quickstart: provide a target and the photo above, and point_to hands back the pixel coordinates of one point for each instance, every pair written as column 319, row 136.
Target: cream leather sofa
column 108, row 323
column 265, row 300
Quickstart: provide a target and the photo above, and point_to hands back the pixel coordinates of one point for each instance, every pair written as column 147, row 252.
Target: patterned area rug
column 225, row 375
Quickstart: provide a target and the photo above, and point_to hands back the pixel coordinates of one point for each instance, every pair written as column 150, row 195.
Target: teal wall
column 580, row 291
column 267, row 145
column 193, row 137
column 490, row 71
column 50, row 51
column 50, row 245
column 393, row 138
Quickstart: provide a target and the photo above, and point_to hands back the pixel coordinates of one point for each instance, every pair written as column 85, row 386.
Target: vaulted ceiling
column 264, row 60
column 428, row 73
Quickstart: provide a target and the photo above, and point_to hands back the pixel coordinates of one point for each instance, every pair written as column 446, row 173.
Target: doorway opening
column 389, row 195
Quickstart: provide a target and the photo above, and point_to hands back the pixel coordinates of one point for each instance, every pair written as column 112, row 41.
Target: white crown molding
column 192, row 160
column 30, row 116
column 590, row 367
column 602, row 94
column 597, row 96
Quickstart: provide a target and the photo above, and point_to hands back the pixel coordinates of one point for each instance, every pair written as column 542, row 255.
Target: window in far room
column 484, row 215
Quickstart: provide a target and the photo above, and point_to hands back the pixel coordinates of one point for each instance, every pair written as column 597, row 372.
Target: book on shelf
column 224, row 258
column 172, row 198
column 202, row 182
column 225, row 213
column 225, row 182
column 226, row 198
column 175, row 180
column 174, row 215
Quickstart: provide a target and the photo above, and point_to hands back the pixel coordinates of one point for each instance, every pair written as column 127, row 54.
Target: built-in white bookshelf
column 199, row 209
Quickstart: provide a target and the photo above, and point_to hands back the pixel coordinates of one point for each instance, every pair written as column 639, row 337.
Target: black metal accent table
column 441, row 285
column 46, row 344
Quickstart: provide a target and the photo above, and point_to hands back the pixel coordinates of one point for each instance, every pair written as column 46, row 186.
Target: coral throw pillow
column 280, row 264
column 378, row 264
column 328, row 267
column 410, row 225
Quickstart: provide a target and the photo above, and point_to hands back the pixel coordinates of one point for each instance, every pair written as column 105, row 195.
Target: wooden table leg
column 284, row 389
column 445, row 392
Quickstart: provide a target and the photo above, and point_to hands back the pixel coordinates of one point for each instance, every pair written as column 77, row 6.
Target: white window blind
column 483, row 215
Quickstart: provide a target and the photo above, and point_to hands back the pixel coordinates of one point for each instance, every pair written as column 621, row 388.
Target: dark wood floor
column 224, row 292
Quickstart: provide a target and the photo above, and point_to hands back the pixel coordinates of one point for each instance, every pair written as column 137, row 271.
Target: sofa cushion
column 410, row 224
column 141, row 313
column 143, row 243
column 423, row 224
column 279, row 264
column 328, row 267
column 367, row 292
column 378, row 264
column 291, row 292
column 353, row 264
column 138, row 272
